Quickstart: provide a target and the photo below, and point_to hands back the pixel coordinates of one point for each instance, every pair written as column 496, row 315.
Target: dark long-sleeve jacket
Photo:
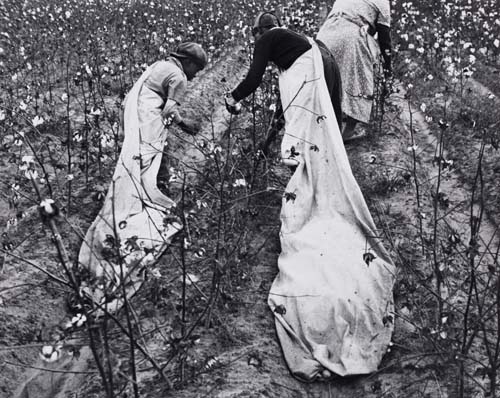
column 283, row 47
column 279, row 45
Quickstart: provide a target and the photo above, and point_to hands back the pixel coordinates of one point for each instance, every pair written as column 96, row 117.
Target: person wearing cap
column 329, row 303
column 134, row 207
column 159, row 100
column 163, row 91
column 168, row 79
column 283, row 47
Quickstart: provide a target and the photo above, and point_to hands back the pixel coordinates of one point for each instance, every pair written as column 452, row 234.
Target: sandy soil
column 247, row 361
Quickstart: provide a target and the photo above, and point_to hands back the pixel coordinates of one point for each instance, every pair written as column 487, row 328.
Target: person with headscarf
column 349, row 33
column 134, row 226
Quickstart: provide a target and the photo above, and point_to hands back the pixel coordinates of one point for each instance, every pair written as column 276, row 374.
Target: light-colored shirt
column 168, row 80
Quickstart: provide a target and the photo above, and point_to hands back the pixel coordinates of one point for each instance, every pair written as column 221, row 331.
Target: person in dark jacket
column 274, row 43
column 328, row 307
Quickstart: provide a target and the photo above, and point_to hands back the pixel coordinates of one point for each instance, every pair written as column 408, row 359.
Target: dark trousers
column 334, row 85
column 333, row 80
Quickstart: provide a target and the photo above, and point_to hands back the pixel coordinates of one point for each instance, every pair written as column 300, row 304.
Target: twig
column 49, row 274
column 23, row 365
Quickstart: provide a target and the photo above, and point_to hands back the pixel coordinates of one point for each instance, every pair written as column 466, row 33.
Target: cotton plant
column 27, row 167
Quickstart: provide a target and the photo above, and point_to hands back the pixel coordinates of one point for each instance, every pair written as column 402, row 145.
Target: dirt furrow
column 252, row 365
column 65, row 376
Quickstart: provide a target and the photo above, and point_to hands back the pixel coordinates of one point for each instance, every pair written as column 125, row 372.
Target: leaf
column 110, row 240
column 290, row 196
column 368, row 257
column 108, row 253
column 75, row 351
column 131, row 243
column 443, row 200
column 170, row 219
column 473, row 249
column 482, row 372
column 376, row 386
column 293, row 152
column 388, row 319
column 254, row 360
column 437, row 159
column 443, row 125
column 280, row 309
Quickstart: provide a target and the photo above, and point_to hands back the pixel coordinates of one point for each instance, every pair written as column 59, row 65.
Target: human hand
column 169, row 115
column 232, row 106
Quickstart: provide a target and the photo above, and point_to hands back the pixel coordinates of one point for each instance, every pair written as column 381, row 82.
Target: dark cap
column 192, row 51
column 266, row 19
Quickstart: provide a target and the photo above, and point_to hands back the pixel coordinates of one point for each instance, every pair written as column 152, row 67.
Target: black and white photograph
column 249, row 198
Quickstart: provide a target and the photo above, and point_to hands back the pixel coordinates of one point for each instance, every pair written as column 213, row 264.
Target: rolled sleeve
column 175, row 87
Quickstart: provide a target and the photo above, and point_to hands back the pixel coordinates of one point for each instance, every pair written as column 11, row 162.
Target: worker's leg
column 349, row 127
